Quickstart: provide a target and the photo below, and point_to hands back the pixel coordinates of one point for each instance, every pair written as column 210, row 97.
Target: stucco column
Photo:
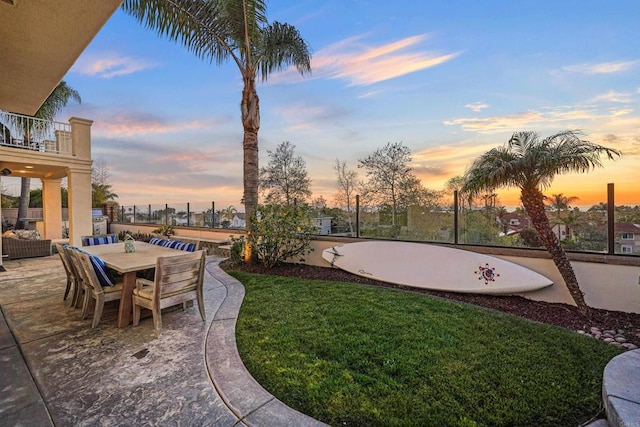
column 80, row 220
column 52, row 208
column 81, row 137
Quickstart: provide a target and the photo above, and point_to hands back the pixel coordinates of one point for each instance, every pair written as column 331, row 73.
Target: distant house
column 238, row 221
column 627, row 238
column 323, row 223
column 513, row 222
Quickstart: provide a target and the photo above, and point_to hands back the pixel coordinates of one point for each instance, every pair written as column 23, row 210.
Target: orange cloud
column 550, row 118
column 136, row 125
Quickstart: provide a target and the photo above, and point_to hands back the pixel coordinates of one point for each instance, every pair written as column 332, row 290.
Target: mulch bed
column 563, row 315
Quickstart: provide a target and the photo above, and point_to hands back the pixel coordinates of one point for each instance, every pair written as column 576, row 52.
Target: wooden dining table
column 128, row 264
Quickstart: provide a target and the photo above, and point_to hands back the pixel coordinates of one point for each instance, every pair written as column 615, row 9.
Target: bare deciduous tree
column 390, row 181
column 285, row 179
column 347, row 182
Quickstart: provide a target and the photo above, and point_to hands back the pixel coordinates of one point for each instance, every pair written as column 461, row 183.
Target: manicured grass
column 360, row 356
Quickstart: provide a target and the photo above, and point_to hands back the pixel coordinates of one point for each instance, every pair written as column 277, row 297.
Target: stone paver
column 621, row 389
column 191, row 375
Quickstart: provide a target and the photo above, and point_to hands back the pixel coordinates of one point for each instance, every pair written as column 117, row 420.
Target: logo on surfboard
column 486, row 273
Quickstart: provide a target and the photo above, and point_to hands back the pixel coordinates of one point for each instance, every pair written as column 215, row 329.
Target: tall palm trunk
column 250, row 109
column 23, row 207
column 533, row 202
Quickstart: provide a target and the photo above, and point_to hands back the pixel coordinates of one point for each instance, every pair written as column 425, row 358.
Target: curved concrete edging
column 621, row 389
column 248, row 400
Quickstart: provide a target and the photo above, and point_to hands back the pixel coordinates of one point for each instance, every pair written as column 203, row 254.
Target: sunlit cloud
column 477, row 106
column 370, row 94
column 601, row 68
column 613, row 96
column 361, row 64
column 497, row 123
column 133, row 124
column 110, row 65
column 555, row 117
column 435, row 165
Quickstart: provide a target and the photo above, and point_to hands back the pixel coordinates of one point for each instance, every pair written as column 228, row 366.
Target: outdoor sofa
column 23, row 248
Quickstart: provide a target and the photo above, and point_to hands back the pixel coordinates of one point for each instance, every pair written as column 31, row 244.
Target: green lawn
column 360, row 356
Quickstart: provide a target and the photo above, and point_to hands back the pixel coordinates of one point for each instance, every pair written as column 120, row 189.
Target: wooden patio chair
column 94, row 289
column 178, row 279
column 72, row 279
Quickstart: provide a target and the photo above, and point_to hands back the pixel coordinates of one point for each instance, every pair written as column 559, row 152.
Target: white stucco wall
column 605, row 285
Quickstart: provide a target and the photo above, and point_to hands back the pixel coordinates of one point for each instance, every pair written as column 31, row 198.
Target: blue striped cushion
column 102, row 271
column 102, row 240
column 173, row 244
column 183, row 246
column 156, row 241
column 166, row 243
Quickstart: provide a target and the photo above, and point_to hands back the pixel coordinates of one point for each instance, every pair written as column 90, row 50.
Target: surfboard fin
column 335, row 254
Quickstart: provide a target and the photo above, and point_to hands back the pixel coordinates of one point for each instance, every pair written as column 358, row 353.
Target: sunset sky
column 449, row 79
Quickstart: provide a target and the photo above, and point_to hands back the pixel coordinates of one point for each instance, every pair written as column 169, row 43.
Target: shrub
column 237, row 250
column 280, row 232
column 140, row 237
column 165, row 230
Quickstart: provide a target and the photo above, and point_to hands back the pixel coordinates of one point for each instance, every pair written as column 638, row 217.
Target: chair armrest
column 140, row 283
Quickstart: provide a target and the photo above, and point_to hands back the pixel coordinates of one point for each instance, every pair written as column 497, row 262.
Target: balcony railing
column 28, row 133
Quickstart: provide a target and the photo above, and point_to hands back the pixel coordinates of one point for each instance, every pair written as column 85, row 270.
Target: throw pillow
column 9, row 235
column 28, row 234
column 103, row 273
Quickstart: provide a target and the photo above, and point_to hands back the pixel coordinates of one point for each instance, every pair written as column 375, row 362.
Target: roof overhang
column 32, row 164
column 39, row 42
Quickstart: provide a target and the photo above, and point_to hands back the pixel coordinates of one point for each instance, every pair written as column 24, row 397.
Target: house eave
column 40, row 40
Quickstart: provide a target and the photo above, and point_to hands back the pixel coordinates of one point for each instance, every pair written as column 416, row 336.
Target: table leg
column 126, row 307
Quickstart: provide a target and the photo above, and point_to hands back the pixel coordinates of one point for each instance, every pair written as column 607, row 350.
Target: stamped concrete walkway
column 56, row 370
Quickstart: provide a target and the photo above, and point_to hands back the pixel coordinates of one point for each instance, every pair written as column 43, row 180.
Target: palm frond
column 528, row 162
column 282, row 45
column 497, row 167
column 202, row 26
column 56, row 101
column 245, row 18
column 567, row 152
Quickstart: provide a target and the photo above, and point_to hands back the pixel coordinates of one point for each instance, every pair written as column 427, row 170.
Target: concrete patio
column 57, row 370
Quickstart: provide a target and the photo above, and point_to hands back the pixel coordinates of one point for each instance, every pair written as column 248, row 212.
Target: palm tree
column 101, row 194
column 226, row 215
column 55, row 102
column 559, row 203
column 528, row 163
column 236, row 30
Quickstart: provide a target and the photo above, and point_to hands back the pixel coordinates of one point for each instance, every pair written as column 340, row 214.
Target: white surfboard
column 434, row 267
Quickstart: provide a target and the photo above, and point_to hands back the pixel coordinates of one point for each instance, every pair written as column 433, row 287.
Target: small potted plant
column 165, row 230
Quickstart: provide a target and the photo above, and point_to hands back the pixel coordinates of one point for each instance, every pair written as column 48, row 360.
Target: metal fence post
column 166, row 214
column 611, row 220
column 455, row 217
column 213, row 214
column 357, row 215
column 188, row 215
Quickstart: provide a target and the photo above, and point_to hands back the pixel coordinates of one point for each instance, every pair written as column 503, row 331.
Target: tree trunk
column 23, row 207
column 532, row 200
column 250, row 109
